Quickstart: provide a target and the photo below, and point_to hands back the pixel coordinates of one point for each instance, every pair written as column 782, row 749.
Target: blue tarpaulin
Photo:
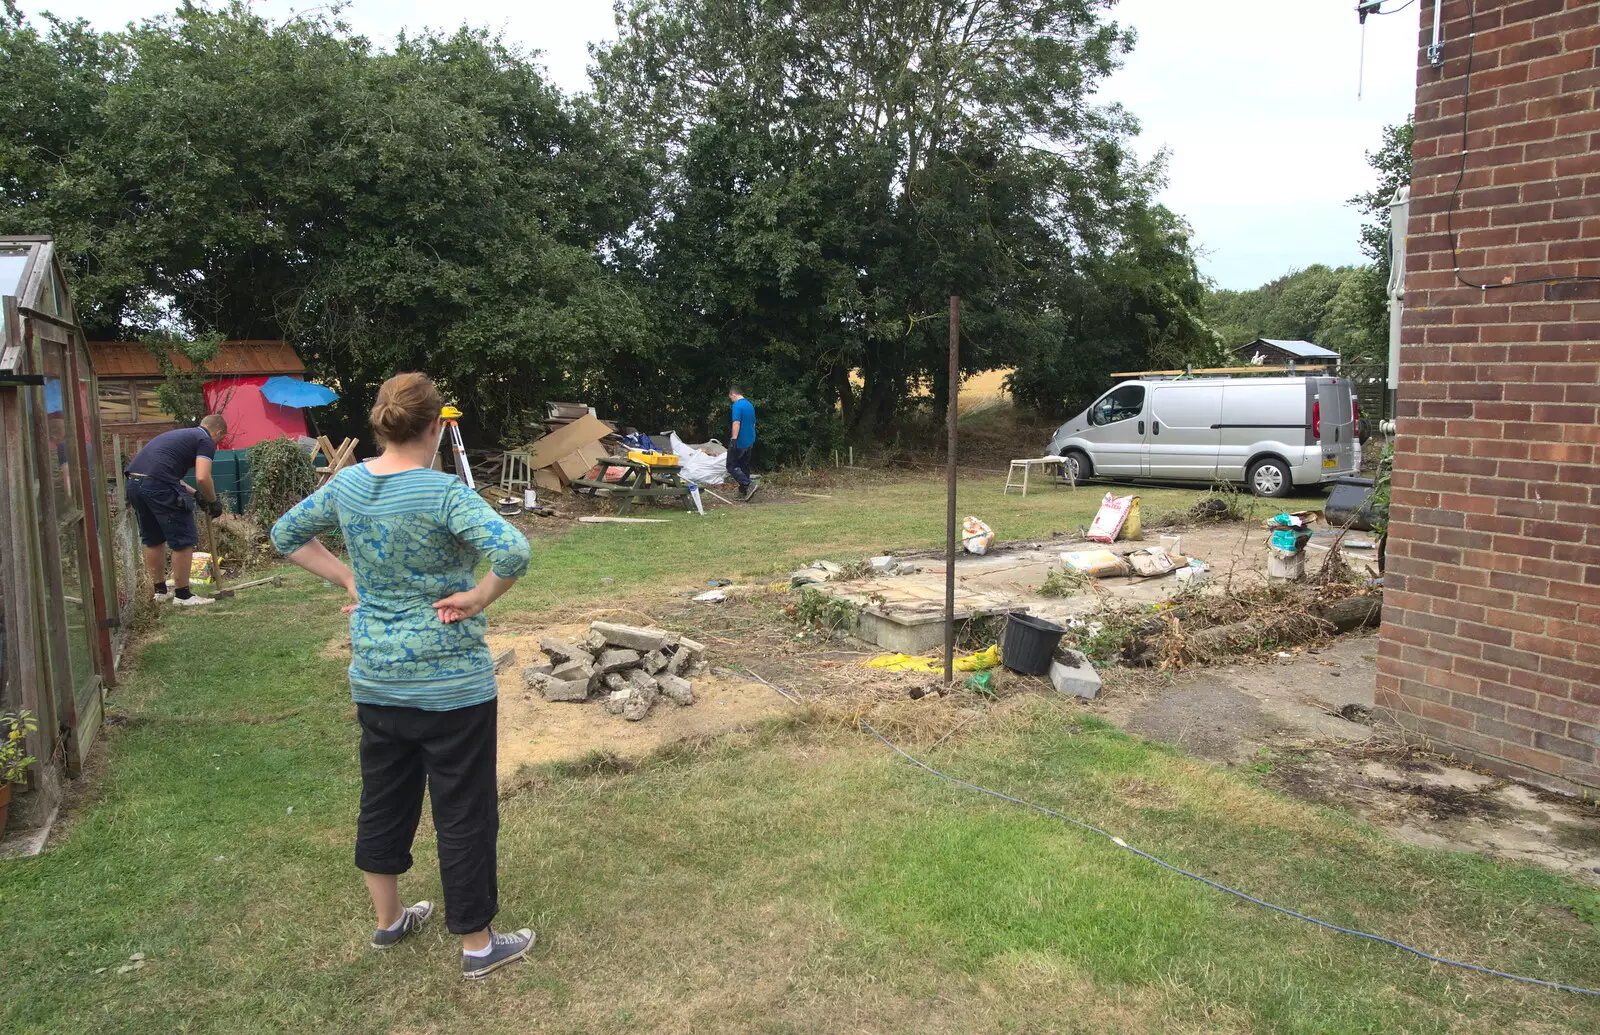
column 291, row 391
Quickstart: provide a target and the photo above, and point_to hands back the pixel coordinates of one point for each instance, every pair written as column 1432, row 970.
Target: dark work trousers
column 739, row 465
column 453, row 753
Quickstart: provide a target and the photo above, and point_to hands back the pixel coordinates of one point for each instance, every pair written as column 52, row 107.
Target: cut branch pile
column 632, row 667
column 1195, row 635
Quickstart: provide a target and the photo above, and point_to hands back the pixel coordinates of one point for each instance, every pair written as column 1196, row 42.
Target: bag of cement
column 976, row 536
column 1150, row 561
column 1100, row 564
column 1108, row 522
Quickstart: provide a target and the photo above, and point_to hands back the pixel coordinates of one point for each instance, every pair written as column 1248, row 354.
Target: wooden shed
column 58, row 591
column 128, row 375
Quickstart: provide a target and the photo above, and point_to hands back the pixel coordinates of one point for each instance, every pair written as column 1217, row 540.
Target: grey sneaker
column 503, row 949
column 411, row 918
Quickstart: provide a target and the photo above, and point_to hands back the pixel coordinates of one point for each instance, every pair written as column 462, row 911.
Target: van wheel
column 1079, row 467
column 1269, row 478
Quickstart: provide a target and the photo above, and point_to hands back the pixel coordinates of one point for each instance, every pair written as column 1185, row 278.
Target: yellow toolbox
column 653, row 459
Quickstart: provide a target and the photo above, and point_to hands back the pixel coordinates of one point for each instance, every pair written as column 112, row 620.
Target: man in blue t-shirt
column 165, row 506
column 744, row 440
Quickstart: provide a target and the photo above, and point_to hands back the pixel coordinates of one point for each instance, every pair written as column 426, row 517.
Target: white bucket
column 530, row 499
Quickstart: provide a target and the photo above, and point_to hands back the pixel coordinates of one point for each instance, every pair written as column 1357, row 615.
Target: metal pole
column 950, row 497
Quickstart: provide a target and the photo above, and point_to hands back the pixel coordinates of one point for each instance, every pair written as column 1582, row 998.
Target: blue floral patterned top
column 413, row 537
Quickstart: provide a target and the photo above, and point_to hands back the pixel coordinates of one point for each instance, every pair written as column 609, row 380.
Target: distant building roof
column 122, row 359
column 1297, row 349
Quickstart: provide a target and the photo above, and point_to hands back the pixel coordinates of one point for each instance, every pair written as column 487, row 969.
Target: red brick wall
column 1491, row 631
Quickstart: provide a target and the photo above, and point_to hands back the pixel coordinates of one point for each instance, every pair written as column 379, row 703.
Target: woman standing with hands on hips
column 420, row 672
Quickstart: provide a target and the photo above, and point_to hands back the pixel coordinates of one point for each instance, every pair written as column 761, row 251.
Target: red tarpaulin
column 251, row 418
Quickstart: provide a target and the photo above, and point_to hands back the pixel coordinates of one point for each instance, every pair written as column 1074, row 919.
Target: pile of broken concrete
column 632, row 666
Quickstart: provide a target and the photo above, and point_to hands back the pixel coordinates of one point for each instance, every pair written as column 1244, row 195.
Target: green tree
column 437, row 206
column 1392, row 162
column 827, row 174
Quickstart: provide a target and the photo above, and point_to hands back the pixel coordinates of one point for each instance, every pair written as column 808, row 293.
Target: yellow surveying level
column 448, row 425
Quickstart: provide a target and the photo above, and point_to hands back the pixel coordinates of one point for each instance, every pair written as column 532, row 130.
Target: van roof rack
column 1308, row 369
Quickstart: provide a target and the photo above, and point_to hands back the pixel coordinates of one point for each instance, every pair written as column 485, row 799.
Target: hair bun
column 407, row 406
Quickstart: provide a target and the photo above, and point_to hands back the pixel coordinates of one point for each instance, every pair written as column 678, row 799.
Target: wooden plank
column 1310, row 367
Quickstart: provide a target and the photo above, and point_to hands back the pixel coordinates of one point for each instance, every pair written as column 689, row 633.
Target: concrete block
column 505, row 659
column 637, row 706
column 681, row 691
column 643, row 681
column 617, row 660
column 680, row 662
column 615, row 700
column 614, row 682
column 1072, row 674
column 633, row 637
column 553, row 689
column 561, row 650
column 594, row 643
column 576, row 669
column 653, row 662
column 530, row 672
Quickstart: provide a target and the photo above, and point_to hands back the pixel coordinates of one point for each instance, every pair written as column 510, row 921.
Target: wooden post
column 950, row 496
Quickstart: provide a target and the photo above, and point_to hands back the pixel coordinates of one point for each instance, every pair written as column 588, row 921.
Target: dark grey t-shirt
column 170, row 455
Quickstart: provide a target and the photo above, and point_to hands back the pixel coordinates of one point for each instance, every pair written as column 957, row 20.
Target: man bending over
column 165, row 506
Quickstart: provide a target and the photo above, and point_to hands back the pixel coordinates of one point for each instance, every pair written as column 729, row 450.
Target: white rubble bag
column 697, row 465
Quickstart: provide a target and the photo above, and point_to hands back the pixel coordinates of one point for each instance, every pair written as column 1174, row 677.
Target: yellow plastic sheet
column 989, row 657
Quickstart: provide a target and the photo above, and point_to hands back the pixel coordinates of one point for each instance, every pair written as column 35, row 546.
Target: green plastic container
column 230, row 471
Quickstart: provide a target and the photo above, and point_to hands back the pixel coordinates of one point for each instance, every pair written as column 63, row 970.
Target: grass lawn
column 792, row 878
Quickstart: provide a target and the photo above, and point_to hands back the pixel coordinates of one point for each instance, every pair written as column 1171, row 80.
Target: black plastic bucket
column 1029, row 643
column 1350, row 504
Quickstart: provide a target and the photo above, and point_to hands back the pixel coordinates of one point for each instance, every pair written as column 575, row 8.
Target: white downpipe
column 1436, row 47
column 1399, row 216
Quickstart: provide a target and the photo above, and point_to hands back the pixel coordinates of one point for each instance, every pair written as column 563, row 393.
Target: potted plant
column 14, row 761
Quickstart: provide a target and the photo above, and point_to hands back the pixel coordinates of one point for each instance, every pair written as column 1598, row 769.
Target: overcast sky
column 1255, row 103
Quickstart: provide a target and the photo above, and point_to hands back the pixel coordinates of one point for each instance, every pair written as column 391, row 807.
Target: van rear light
column 1355, row 409
column 1316, row 419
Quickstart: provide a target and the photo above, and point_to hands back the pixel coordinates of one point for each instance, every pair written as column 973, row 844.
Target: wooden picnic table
column 639, row 481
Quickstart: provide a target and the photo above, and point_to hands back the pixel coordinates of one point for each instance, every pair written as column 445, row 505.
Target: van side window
column 1119, row 404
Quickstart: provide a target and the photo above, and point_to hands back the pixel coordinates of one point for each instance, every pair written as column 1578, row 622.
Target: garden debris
column 987, row 658
column 711, row 596
column 1072, row 674
column 976, row 537
column 568, row 452
column 634, row 666
column 815, row 573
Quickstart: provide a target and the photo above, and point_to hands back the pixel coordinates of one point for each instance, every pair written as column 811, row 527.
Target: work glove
column 214, row 508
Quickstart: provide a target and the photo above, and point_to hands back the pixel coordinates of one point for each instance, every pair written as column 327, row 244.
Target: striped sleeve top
column 413, row 537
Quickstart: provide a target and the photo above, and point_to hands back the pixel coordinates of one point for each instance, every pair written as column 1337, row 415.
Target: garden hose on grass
column 1120, row 843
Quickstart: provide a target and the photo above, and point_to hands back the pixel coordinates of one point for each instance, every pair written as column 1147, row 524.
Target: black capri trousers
column 452, row 753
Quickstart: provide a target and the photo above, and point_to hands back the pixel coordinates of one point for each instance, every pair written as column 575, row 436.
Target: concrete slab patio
column 905, row 612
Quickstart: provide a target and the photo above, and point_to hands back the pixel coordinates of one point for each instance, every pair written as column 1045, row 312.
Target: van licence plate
column 1330, row 461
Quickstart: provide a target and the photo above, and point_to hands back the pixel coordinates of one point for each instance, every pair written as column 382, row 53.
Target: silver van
column 1271, row 433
